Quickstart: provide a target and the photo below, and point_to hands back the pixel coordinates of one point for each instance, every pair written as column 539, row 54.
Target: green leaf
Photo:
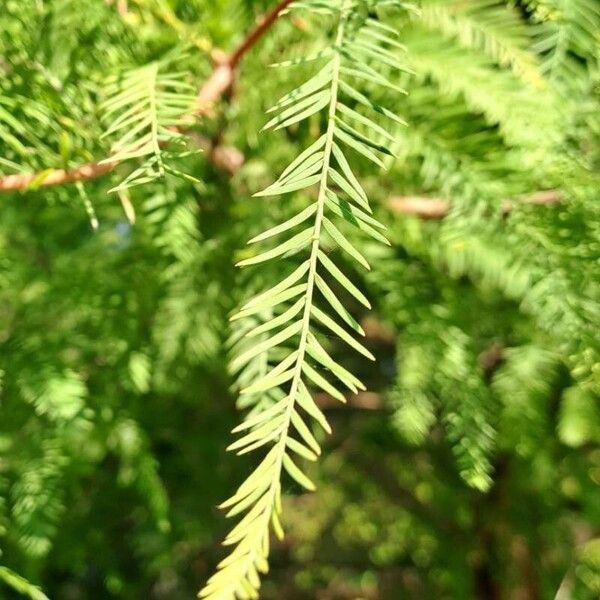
column 265, row 414
column 315, row 83
column 295, row 473
column 378, row 54
column 362, row 99
column 247, row 502
column 363, row 139
column 337, row 305
column 300, row 240
column 319, row 353
column 359, row 147
column 281, row 228
column 259, row 300
column 342, row 279
column 344, row 244
column 347, row 188
column 277, row 189
column 306, row 154
column 305, row 432
column 276, row 322
column 260, row 435
column 321, row 382
column 309, row 167
column 271, row 380
column 370, row 124
column 272, row 301
column 372, row 79
column 302, row 110
column 300, row 449
column 381, row 37
column 277, row 339
column 306, row 401
column 355, row 216
column 253, row 481
column 340, row 332
column 349, row 175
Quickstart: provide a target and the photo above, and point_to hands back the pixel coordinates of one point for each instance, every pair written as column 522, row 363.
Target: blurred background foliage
column 472, row 467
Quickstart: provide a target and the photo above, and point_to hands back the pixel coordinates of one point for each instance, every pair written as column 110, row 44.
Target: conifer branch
column 209, row 93
column 284, row 422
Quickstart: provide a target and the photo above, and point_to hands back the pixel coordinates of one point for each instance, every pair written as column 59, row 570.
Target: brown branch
column 264, row 23
column 92, row 170
column 438, row 208
column 209, row 93
column 426, row 208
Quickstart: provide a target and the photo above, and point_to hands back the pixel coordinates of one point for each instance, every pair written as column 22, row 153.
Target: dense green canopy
column 428, row 182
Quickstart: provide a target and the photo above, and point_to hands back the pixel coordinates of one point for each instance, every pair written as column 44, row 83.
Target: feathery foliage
column 287, row 344
column 142, row 111
column 470, row 468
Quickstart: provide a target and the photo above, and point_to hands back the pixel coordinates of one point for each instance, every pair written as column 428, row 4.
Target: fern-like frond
column 499, row 95
column 568, row 33
column 524, row 386
column 413, row 397
column 25, row 124
column 487, row 25
column 37, row 498
column 143, row 110
column 183, row 328
column 284, row 357
column 468, row 409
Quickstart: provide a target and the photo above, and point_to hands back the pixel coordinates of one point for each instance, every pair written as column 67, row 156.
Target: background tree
column 469, row 469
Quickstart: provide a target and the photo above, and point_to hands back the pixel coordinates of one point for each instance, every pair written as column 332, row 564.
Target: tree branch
column 262, row 26
column 438, row 208
column 209, row 93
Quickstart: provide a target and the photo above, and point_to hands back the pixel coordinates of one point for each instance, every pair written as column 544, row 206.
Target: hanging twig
column 210, row 92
